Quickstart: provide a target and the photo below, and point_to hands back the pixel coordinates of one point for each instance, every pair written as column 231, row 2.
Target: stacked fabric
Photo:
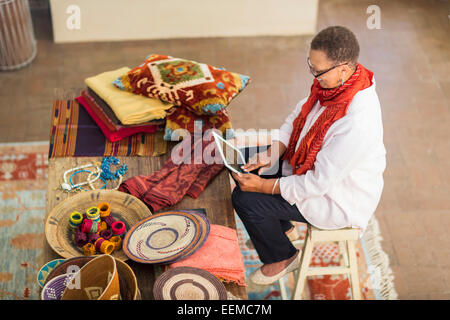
column 199, row 92
column 121, row 114
column 162, row 92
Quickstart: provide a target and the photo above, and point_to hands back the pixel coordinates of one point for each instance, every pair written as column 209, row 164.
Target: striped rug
column 74, row 134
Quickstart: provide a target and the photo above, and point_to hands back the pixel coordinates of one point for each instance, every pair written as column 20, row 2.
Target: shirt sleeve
column 286, row 129
column 333, row 163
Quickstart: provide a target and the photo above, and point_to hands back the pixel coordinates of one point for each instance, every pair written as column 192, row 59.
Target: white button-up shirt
column 344, row 186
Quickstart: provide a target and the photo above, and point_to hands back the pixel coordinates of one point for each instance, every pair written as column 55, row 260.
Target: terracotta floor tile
column 423, row 280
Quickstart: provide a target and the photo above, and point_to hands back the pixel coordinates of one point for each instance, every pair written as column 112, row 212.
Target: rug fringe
column 384, row 279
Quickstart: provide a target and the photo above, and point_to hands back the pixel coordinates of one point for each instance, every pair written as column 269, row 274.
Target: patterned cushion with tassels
column 201, row 88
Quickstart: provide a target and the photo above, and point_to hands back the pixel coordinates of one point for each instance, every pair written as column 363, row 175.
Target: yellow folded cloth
column 128, row 107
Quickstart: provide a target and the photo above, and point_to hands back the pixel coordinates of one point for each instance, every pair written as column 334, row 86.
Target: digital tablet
column 232, row 157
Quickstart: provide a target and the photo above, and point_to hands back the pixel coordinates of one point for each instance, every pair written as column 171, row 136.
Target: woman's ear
column 344, row 71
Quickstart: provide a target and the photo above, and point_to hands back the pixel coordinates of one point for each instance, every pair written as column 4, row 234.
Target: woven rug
column 23, row 185
column 376, row 277
column 74, row 134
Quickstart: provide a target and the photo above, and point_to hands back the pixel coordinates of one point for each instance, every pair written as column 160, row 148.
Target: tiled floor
column 410, row 58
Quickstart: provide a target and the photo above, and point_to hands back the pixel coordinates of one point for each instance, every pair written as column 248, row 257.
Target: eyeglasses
column 317, row 74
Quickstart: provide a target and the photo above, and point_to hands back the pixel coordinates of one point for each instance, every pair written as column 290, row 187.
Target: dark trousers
column 266, row 217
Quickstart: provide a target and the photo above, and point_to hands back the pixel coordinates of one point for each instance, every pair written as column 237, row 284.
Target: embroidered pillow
column 203, row 89
column 181, row 118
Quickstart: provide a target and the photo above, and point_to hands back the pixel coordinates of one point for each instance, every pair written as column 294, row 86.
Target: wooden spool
column 17, row 42
column 124, row 207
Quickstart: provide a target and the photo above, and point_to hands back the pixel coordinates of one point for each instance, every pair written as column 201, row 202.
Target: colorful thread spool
column 98, row 243
column 106, row 234
column 105, row 209
column 109, row 220
column 75, row 220
column 104, row 246
column 107, row 247
column 102, row 227
column 89, row 226
column 93, row 213
column 92, row 237
column 117, row 241
column 88, row 249
column 80, row 238
column 118, row 228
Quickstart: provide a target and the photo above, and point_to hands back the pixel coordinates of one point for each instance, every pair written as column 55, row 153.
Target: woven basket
column 124, row 207
column 129, row 289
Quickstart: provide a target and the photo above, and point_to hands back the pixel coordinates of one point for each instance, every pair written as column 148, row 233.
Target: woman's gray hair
column 339, row 44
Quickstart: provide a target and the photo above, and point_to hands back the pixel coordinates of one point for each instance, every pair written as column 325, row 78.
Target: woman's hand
column 259, row 161
column 253, row 183
column 266, row 159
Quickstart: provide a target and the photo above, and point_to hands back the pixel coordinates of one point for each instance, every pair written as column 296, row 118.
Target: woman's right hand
column 258, row 161
column 264, row 160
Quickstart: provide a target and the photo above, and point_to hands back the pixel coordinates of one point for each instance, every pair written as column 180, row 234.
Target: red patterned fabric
column 336, row 101
column 167, row 186
column 182, row 118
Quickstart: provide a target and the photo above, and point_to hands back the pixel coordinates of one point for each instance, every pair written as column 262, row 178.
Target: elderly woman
column 330, row 173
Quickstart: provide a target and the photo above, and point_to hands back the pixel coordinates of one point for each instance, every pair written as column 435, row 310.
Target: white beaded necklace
column 65, row 186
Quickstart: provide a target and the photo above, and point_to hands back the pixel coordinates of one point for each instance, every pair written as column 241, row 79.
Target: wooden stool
column 348, row 252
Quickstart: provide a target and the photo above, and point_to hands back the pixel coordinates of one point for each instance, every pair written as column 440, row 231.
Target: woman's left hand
column 249, row 182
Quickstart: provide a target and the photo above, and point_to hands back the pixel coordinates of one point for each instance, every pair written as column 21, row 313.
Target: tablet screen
column 231, row 156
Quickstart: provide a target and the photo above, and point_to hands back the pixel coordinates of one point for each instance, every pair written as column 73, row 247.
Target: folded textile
column 110, row 132
column 109, row 113
column 128, row 107
column 168, row 185
column 219, row 255
column 73, row 133
column 182, row 118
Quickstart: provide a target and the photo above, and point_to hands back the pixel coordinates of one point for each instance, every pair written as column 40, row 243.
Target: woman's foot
column 292, row 234
column 272, row 269
column 275, row 271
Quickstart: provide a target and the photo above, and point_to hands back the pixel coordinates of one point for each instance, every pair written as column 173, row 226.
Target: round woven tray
column 124, row 207
column 166, row 237
column 188, row 283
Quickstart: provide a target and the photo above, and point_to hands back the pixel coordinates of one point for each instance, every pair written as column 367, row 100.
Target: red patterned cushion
column 203, row 89
column 181, row 118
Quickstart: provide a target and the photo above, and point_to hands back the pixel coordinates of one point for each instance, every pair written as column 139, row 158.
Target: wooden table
column 216, row 199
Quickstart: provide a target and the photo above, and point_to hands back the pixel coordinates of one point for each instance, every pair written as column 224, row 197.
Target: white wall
column 158, row 19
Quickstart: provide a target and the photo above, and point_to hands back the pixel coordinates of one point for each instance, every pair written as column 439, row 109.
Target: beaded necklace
column 103, row 173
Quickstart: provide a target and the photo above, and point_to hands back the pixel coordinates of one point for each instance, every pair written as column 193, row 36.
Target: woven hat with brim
column 188, row 283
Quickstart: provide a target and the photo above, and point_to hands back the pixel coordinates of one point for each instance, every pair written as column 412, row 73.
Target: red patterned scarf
column 336, row 102
column 168, row 185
